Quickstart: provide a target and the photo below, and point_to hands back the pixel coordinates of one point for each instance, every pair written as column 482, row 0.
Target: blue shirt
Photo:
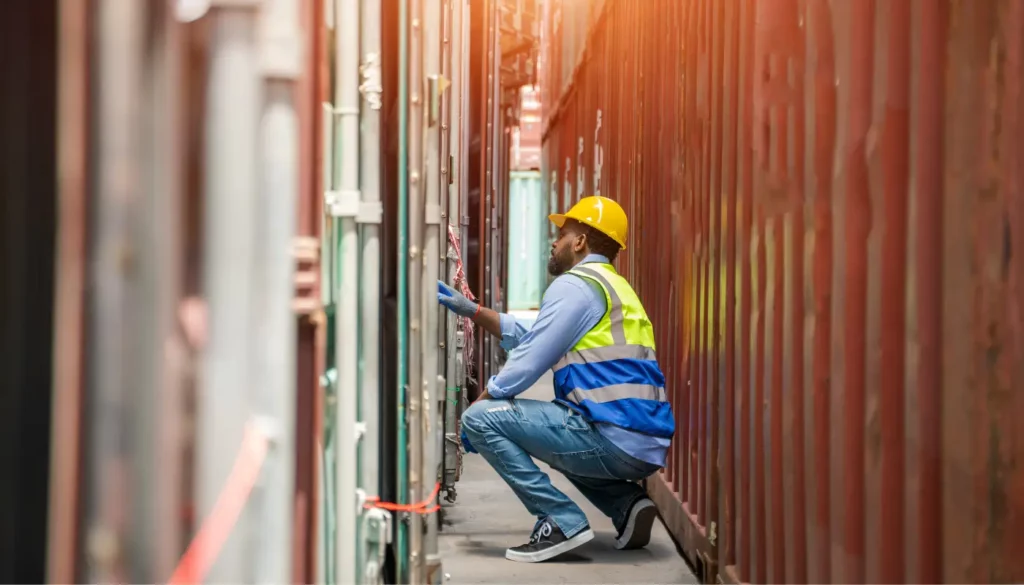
column 571, row 307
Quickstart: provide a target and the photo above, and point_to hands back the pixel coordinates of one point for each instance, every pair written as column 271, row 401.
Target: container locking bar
column 349, row 204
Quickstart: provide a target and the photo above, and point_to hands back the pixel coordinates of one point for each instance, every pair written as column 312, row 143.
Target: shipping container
column 824, row 199
column 528, row 241
column 228, row 224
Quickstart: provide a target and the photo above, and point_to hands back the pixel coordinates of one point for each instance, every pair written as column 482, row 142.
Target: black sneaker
column 547, row 541
column 637, row 531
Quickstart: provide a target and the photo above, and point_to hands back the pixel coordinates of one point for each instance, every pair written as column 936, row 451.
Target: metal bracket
column 383, row 520
column 349, row 204
column 433, row 215
column 370, row 212
column 377, row 534
column 342, row 203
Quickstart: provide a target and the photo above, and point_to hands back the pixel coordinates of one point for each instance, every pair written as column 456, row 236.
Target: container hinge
column 349, row 204
column 433, row 214
column 377, row 532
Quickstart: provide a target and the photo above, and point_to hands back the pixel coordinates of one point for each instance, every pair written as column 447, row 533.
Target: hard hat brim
column 558, row 219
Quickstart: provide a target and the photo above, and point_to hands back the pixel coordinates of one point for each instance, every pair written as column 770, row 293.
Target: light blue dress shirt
column 571, row 307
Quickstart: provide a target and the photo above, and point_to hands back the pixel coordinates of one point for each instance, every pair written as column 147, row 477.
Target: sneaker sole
column 637, row 533
column 550, row 553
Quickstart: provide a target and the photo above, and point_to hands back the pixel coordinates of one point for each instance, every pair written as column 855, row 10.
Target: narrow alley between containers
column 323, row 291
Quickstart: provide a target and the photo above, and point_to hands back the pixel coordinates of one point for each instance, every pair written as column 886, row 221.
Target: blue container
column 527, row 241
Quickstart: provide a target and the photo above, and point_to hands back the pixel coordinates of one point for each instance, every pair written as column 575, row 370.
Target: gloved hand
column 454, row 300
column 465, row 443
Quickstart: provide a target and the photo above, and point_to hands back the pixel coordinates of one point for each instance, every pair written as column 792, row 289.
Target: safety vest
column 612, row 373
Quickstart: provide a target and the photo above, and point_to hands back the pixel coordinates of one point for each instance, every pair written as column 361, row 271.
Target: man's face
column 564, row 250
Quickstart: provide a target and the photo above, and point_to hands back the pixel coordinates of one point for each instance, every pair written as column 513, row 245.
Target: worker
column 610, row 423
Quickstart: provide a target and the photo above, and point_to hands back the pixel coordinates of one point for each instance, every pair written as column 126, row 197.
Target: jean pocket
column 574, row 421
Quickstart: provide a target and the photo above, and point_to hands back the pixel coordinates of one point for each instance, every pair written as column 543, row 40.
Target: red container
column 824, row 198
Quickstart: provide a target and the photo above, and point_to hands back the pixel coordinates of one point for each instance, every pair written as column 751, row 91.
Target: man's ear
column 582, row 245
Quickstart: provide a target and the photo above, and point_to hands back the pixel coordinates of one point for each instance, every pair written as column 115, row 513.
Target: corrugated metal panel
column 527, row 241
column 836, row 184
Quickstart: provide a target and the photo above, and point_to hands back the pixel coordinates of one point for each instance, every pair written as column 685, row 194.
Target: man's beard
column 556, row 267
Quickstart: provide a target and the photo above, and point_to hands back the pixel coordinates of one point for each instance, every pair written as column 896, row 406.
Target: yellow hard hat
column 600, row 213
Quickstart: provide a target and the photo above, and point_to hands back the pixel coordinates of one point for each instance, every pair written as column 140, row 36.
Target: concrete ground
column 487, row 518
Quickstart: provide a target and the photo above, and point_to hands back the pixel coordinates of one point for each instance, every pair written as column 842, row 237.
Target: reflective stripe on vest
column 615, row 314
column 592, row 357
column 619, row 392
column 611, row 352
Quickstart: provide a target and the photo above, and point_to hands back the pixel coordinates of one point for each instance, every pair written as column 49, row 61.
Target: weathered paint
column 824, row 197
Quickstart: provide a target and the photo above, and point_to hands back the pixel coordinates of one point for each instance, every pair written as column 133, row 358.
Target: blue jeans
column 510, row 433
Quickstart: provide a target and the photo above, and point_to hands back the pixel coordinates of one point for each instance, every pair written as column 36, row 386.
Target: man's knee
column 479, row 414
column 471, row 416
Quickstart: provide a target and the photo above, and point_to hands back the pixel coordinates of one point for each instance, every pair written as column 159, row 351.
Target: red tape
column 216, row 528
column 417, row 508
column 463, row 286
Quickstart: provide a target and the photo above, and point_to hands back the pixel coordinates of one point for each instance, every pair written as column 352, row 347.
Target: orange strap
column 210, row 538
column 418, row 508
column 214, row 532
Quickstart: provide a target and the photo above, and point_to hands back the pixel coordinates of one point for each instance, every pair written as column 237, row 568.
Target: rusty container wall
column 310, row 322
column 825, row 207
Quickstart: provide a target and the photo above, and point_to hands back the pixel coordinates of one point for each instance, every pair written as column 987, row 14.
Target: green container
column 527, row 241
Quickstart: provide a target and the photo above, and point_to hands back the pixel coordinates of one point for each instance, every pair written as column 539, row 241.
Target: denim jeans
column 509, row 434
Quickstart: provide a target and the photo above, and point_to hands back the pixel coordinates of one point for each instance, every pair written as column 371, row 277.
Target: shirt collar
column 595, row 258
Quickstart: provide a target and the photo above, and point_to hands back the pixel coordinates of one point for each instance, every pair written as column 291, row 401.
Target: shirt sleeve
column 512, row 331
column 571, row 307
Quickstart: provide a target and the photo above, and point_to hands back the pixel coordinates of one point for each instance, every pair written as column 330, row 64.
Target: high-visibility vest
column 612, row 374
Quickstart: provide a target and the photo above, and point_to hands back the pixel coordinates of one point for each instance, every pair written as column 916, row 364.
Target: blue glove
column 454, row 300
column 465, row 443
